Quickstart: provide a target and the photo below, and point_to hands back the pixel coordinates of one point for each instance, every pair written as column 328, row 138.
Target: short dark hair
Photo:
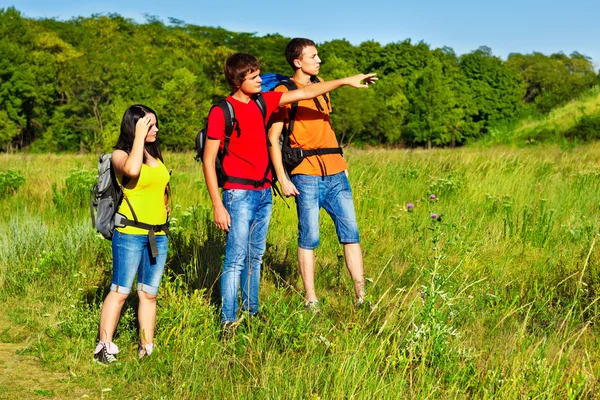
column 127, row 135
column 239, row 65
column 294, row 49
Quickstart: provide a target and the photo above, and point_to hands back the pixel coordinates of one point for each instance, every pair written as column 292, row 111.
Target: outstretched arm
column 317, row 89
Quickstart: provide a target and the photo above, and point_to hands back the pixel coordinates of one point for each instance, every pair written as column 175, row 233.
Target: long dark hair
column 130, row 119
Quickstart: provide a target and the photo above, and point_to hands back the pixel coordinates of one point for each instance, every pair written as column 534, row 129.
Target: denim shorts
column 333, row 193
column 131, row 256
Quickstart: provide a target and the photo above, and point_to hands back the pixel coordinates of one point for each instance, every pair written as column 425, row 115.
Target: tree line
column 64, row 85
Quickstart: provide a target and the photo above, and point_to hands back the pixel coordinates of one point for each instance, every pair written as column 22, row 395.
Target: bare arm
column 287, row 186
column 131, row 164
column 221, row 216
column 317, row 89
column 167, row 191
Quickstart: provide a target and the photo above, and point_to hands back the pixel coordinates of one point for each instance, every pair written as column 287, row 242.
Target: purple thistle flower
column 434, row 216
column 410, row 206
column 432, row 196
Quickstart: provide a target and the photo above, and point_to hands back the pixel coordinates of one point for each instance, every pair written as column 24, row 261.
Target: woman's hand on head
column 142, row 127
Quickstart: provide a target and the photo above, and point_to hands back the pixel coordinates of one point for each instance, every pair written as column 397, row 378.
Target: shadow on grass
column 197, row 254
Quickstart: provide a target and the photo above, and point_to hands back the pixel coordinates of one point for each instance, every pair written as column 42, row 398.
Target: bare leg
column 306, row 263
column 109, row 317
column 354, row 263
column 146, row 317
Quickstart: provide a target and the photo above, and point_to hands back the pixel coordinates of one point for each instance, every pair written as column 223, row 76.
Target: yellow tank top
column 146, row 195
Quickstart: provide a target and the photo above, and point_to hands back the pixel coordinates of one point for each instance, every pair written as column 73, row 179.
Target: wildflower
column 436, row 217
column 432, row 197
column 410, row 207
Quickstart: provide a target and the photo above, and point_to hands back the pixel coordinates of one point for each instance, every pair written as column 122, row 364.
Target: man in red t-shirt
column 245, row 209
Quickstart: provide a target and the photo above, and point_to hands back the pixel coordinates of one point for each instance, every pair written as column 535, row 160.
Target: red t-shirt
column 247, row 156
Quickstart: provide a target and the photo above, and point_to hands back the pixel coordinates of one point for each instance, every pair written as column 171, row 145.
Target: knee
column 146, row 297
column 116, row 298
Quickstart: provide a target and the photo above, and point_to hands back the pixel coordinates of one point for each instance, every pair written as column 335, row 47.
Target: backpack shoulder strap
column 316, row 79
column 262, row 105
column 230, row 122
column 290, row 85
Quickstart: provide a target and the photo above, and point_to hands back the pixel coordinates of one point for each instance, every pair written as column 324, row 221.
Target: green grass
column 499, row 299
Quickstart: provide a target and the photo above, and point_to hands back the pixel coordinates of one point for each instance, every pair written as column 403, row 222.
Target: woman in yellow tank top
column 138, row 162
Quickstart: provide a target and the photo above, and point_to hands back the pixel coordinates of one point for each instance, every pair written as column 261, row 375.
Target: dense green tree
column 392, row 108
column 433, row 114
column 552, row 80
column 28, row 79
column 465, row 107
column 341, row 49
column 182, row 109
column 496, row 89
column 403, row 58
column 64, row 85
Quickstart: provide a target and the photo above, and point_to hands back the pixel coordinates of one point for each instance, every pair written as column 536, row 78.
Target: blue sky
column 506, row 26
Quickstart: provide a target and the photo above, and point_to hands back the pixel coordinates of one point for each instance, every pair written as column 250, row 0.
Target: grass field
column 497, row 298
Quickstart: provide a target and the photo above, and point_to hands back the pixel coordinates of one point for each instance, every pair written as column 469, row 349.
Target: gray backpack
column 106, row 197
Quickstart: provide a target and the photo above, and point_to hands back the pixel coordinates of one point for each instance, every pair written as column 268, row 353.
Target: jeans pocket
column 231, row 196
column 346, row 188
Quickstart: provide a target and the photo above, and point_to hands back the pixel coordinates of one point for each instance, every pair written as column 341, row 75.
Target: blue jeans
column 131, row 256
column 250, row 213
column 334, row 194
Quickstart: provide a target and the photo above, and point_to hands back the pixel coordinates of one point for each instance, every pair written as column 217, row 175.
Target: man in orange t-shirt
column 320, row 180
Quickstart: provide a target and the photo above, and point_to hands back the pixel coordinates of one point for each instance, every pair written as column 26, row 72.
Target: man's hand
column 361, row 80
column 222, row 219
column 288, row 188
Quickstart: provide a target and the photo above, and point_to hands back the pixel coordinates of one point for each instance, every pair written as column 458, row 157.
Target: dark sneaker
column 146, row 349
column 105, row 353
column 228, row 330
column 312, row 306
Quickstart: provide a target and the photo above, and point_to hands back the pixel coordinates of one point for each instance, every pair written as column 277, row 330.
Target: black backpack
column 292, row 157
column 231, row 125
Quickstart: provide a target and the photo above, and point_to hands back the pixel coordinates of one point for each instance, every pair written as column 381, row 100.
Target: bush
column 587, row 128
column 76, row 192
column 10, row 182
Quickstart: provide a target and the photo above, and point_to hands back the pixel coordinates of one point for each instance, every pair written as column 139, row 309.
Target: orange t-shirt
column 312, row 130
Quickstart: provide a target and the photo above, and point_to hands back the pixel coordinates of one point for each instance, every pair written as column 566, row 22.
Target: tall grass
column 496, row 299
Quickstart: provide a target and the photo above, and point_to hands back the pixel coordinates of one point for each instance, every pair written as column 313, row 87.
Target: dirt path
column 23, row 376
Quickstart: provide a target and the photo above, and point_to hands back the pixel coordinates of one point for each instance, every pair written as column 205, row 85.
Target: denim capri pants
column 131, row 256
